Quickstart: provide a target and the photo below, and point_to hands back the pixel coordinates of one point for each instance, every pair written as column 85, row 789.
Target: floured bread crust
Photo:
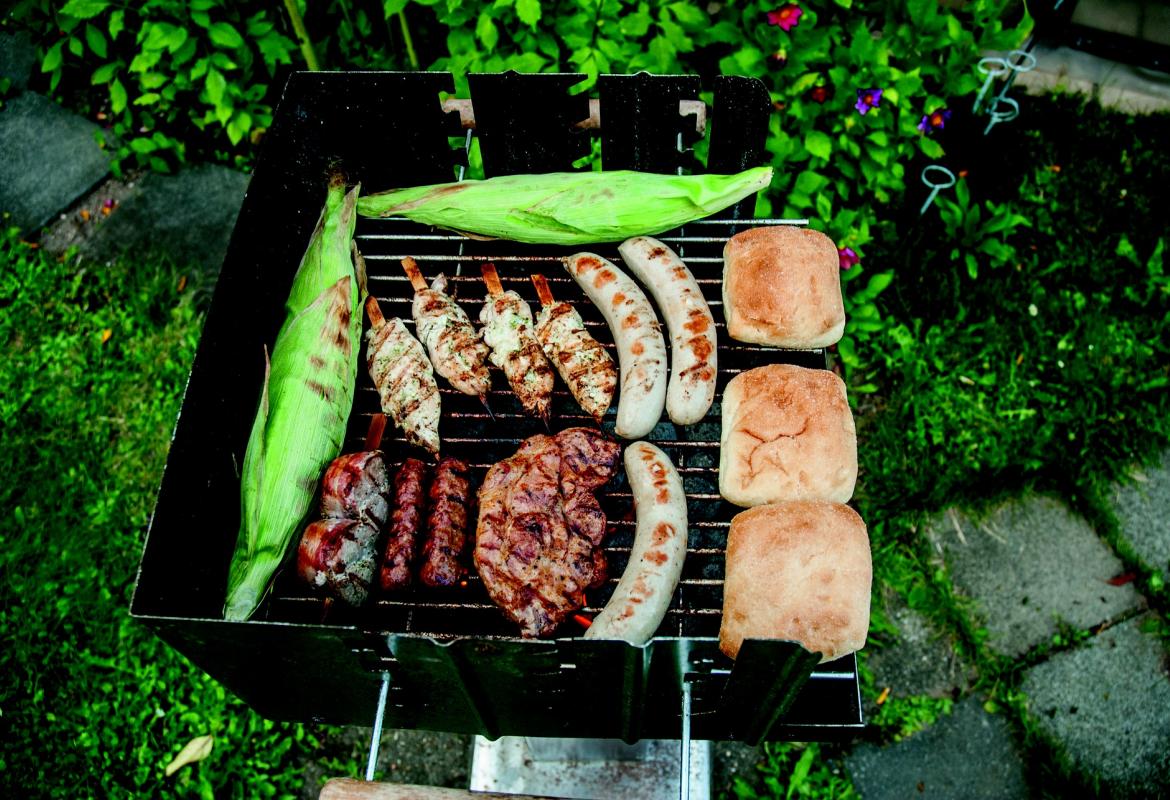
column 782, row 287
column 788, row 434
column 799, row 571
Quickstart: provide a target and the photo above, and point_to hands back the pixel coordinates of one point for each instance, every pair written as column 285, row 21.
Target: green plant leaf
column 117, row 23
column 528, row 11
column 224, row 35
column 485, row 29
column 117, row 96
column 52, row 59
column 216, row 85
column 818, row 143
column 85, row 9
column 103, row 73
column 96, row 41
column 931, row 148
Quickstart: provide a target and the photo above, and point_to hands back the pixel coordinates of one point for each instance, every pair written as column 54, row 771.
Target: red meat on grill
column 538, row 541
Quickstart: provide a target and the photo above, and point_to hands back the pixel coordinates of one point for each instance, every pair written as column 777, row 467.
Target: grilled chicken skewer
column 406, row 384
column 456, row 350
column 584, row 365
column 507, row 329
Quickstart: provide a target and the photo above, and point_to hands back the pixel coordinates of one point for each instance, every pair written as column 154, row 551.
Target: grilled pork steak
column 538, row 541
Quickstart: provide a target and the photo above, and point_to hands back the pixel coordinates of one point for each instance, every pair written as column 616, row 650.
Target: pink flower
column 786, row 16
column 848, row 258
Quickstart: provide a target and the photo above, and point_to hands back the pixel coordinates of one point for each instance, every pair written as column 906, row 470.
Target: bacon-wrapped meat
column 338, row 555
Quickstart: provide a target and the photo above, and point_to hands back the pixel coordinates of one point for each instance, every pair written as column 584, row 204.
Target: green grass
column 93, row 704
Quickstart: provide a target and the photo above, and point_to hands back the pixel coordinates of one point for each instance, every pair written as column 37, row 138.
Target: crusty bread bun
column 782, row 287
column 799, row 571
column 788, row 434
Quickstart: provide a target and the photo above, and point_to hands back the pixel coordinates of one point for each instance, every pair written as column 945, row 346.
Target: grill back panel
column 455, row 661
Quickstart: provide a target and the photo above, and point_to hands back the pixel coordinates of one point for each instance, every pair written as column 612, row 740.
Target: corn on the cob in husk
column 568, row 207
column 304, row 405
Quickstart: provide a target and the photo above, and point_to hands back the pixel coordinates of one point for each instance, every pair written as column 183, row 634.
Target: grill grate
column 455, row 661
column 469, row 433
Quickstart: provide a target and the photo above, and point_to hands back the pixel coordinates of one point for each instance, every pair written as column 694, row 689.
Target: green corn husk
column 304, row 406
column 568, row 208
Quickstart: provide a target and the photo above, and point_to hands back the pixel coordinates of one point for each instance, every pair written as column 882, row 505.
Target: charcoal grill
column 447, row 659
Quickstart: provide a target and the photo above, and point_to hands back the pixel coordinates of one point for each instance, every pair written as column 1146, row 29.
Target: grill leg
column 376, row 738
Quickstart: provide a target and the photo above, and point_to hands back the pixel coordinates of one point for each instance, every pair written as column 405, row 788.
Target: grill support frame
column 297, row 664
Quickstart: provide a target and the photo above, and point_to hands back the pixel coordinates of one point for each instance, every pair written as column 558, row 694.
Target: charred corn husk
column 304, row 405
column 568, row 207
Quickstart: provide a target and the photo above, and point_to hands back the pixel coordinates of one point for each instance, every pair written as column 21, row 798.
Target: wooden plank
column 350, row 789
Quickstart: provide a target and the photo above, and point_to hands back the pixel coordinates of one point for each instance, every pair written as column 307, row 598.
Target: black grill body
column 454, row 661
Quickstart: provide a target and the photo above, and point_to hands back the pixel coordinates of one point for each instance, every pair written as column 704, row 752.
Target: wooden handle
column 374, row 311
column 410, row 267
column 374, row 434
column 543, row 291
column 349, row 789
column 491, row 278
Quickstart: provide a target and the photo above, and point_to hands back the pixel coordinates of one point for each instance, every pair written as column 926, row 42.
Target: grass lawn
column 1046, row 369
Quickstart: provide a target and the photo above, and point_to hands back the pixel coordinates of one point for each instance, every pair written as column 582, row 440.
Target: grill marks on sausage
column 405, row 525
column 450, row 497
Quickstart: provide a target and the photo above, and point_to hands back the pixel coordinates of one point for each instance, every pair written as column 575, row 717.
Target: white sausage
column 638, row 336
column 660, row 546
column 692, row 328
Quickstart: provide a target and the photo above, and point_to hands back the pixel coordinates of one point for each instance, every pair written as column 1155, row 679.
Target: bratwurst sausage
column 692, row 328
column 643, row 594
column 638, row 336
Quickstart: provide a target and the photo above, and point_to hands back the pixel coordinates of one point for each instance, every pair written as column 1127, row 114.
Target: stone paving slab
column 1106, row 704
column 50, row 158
column 17, row 59
column 1143, row 511
column 921, row 661
column 187, row 217
column 970, row 754
column 1030, row 565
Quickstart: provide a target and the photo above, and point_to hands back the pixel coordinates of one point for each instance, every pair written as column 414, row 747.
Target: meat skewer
column 456, row 350
column 404, row 530
column 403, row 376
column 507, row 329
column 450, row 495
column 584, row 365
column 338, row 552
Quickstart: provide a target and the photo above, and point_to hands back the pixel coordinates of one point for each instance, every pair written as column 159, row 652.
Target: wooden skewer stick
column 410, row 267
column 374, row 434
column 486, row 407
column 543, row 291
column 492, row 279
column 374, row 311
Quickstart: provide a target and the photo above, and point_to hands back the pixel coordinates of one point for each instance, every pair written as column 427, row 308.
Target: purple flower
column 786, row 16
column 848, row 258
column 867, row 99
column 935, row 120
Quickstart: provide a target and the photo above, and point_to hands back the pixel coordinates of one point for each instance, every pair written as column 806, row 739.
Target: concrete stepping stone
column 1106, row 704
column 970, row 754
column 1143, row 510
column 17, row 59
column 51, row 157
column 187, row 217
column 1029, row 566
column 922, row 660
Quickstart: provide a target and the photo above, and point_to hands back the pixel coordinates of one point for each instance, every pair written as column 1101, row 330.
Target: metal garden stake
column 997, row 115
column 929, row 173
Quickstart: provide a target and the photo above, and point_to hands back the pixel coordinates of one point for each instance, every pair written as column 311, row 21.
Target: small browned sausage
column 450, row 495
column 405, row 526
